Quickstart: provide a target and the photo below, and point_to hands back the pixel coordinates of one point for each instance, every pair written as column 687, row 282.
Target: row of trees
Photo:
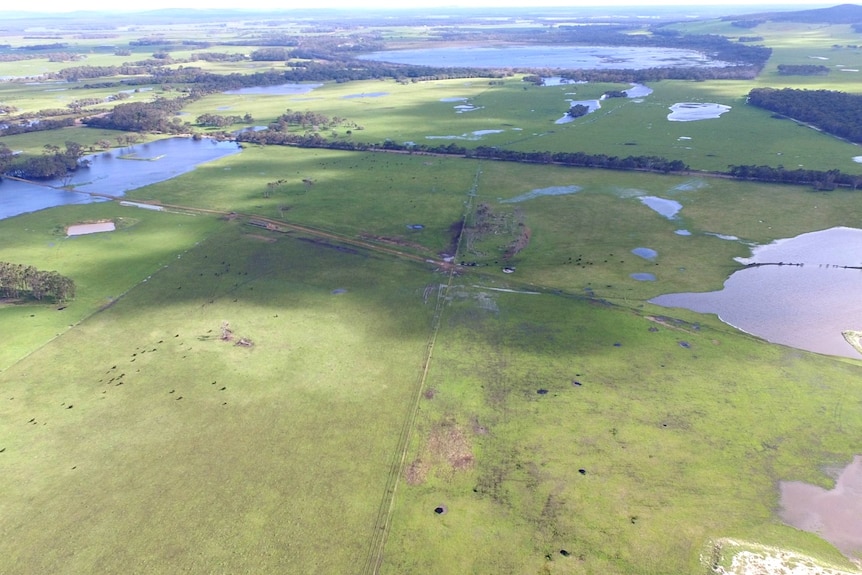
column 20, row 281
column 837, row 113
column 581, row 159
column 802, row 70
column 821, row 180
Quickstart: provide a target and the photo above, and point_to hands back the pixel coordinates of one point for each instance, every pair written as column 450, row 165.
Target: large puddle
column 835, row 515
column 560, row 57
column 694, row 111
column 663, row 206
column 802, row 292
column 537, row 193
column 114, row 173
column 279, row 90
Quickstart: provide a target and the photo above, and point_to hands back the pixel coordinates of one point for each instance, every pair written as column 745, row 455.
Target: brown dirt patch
column 261, row 238
column 446, row 450
column 393, row 241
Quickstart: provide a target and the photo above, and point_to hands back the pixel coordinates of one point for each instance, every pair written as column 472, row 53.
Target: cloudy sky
column 113, row 5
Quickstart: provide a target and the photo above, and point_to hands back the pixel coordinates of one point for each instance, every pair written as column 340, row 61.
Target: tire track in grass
column 383, row 522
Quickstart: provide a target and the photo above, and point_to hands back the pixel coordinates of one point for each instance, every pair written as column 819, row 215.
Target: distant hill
column 841, row 14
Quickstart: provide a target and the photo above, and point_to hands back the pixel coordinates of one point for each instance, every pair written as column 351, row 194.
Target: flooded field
column 800, row 292
column 561, row 57
column 113, row 173
column 835, row 514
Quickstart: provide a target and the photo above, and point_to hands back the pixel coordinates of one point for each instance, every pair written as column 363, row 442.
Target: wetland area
column 336, row 353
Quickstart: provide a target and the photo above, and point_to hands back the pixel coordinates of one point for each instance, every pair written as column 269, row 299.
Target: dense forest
column 837, row 113
column 20, row 281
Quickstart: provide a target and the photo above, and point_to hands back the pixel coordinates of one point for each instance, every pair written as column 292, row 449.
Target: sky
column 114, row 6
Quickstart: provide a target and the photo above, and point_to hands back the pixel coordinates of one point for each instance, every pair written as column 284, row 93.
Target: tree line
column 20, row 281
column 837, row 113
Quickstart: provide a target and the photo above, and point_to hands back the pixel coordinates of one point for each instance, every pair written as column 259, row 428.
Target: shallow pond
column 537, row 193
column 645, row 253
column 801, row 292
column 279, row 90
column 365, row 95
column 663, row 206
column 694, row 111
column 835, row 515
column 560, row 57
column 114, row 173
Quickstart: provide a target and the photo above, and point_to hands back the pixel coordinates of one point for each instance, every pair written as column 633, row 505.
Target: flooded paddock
column 834, row 514
column 801, row 292
column 92, row 228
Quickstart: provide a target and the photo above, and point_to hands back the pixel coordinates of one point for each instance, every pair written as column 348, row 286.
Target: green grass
column 277, row 456
column 677, row 444
column 258, row 467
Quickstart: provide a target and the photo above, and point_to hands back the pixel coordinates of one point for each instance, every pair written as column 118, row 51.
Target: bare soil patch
column 446, row 450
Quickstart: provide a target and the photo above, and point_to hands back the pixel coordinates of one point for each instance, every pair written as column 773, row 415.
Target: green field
column 294, row 379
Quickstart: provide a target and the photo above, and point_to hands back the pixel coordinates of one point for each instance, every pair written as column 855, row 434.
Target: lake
column 114, row 173
column 801, row 292
column 555, row 56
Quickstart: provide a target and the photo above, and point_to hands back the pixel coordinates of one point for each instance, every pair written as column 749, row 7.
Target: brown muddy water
column 835, row 515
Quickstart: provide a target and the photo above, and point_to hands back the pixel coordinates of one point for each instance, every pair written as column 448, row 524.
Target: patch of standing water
column 94, row 228
column 682, row 232
column 721, row 236
column 365, row 95
column 472, row 136
column 593, row 105
column 800, row 292
column 645, row 253
column 108, row 174
column 638, row 91
column 834, row 515
column 857, row 159
column 663, row 206
column 279, row 90
column 552, row 191
column 548, row 56
column 643, row 277
column 560, row 81
column 693, row 111
column 690, row 186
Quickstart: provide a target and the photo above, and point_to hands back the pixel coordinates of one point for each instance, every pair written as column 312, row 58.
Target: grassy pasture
column 134, row 440
column 524, row 115
column 104, row 266
column 222, row 458
column 677, row 444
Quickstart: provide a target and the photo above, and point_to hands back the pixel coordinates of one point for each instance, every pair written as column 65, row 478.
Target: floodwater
column 835, row 515
column 803, row 293
column 694, row 111
column 560, row 57
column 279, row 90
column 94, row 228
column 472, row 136
column 593, row 105
column 365, row 95
column 114, row 173
column 645, row 253
column 552, row 191
column 643, row 277
column 663, row 206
